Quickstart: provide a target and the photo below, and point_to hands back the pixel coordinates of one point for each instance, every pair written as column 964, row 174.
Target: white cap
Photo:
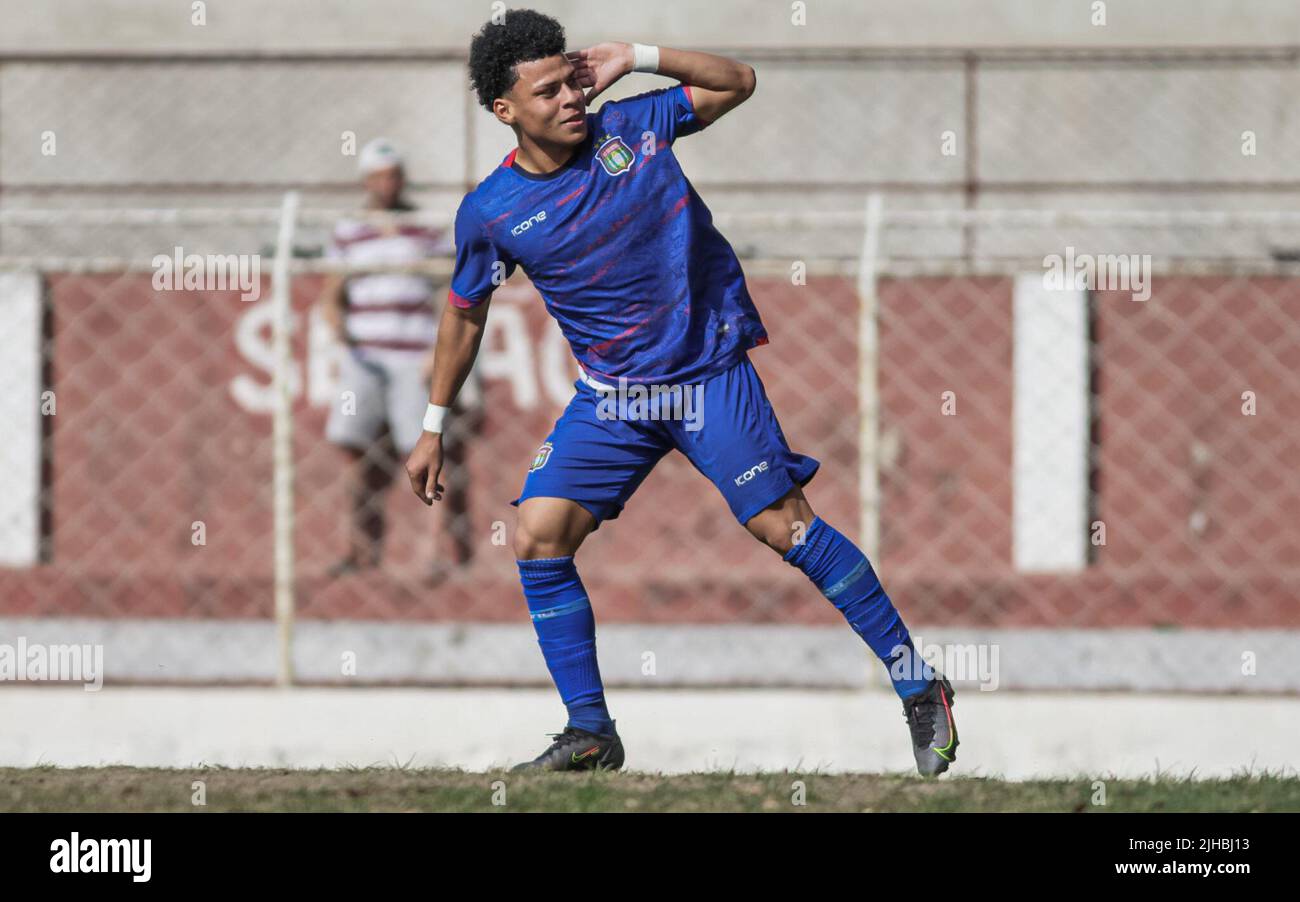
column 378, row 154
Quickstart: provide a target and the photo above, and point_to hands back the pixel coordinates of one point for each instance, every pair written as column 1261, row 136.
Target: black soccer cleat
column 576, row 749
column 934, row 731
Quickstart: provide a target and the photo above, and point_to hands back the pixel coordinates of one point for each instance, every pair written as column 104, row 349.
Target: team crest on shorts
column 615, row 156
column 541, row 457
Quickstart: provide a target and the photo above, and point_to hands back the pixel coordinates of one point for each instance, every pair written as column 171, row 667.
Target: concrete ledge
column 688, row 655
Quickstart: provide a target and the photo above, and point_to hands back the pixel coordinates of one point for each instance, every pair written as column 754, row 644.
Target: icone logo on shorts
column 751, row 473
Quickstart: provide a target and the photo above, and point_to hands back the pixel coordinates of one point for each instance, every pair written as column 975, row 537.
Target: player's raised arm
column 718, row 84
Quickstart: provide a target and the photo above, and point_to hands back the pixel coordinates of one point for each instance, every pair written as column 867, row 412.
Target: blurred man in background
column 386, row 323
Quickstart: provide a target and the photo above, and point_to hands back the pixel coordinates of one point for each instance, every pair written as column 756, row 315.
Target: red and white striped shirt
column 388, row 313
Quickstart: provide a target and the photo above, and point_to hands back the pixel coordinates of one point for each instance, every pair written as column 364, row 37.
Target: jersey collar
column 578, row 153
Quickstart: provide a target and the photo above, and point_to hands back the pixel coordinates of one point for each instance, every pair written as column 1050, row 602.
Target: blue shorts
column 605, row 444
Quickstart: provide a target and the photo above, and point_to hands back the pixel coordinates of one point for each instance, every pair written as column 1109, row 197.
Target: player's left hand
column 601, row 65
column 424, row 466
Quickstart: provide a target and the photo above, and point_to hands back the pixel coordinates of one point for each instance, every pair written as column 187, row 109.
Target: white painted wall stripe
column 20, row 418
column 1050, row 427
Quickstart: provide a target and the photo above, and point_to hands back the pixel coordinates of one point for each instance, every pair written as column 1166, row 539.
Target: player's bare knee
column 782, row 524
column 545, row 530
column 530, row 545
column 772, row 531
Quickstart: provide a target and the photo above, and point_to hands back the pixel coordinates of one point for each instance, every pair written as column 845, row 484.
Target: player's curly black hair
column 496, row 50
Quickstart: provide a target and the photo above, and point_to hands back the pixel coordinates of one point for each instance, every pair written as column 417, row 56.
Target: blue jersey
column 621, row 248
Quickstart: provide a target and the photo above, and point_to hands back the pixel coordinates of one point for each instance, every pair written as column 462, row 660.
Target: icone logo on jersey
column 539, row 216
column 751, row 473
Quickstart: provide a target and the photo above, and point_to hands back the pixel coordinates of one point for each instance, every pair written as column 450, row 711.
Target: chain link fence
column 1159, row 414
column 923, row 366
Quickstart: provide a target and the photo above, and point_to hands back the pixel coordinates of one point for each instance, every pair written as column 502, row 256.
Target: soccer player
column 596, row 210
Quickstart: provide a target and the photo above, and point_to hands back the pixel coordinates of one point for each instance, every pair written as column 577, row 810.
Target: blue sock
column 566, row 631
column 844, row 576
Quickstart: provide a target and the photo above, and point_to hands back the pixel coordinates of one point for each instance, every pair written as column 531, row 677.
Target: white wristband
column 645, row 58
column 433, row 418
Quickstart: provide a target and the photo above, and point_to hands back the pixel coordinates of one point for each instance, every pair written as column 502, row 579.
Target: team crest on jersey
column 614, row 155
column 541, row 457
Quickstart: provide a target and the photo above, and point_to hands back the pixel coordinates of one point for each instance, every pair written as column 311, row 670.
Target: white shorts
column 384, row 390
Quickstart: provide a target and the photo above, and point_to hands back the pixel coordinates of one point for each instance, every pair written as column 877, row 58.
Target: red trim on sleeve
column 704, row 123
column 463, row 303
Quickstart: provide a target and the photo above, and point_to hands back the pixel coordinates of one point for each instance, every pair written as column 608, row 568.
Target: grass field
column 396, row 789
